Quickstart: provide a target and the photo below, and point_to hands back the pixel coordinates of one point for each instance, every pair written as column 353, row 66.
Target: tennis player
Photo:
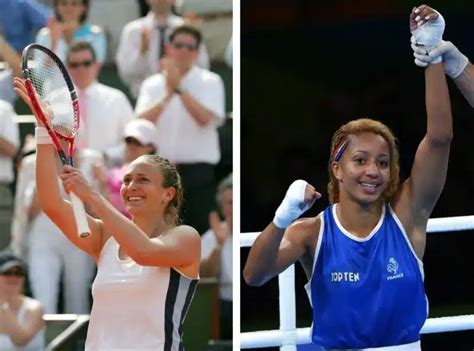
column 148, row 267
column 363, row 254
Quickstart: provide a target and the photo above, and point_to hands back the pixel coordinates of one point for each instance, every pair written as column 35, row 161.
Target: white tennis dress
column 137, row 307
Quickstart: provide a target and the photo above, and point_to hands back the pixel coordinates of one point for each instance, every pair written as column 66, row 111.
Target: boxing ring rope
column 288, row 336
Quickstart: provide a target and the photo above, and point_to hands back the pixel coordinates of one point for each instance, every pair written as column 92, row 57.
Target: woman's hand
column 221, row 229
column 100, row 173
column 74, row 181
column 427, row 27
column 420, row 15
column 298, row 199
column 145, row 34
column 55, row 32
column 68, row 28
column 20, row 89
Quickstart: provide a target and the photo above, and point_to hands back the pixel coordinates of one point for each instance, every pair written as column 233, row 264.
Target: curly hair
column 356, row 127
column 171, row 178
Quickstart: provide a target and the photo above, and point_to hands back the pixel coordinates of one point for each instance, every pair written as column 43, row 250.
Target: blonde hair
column 356, row 127
column 171, row 178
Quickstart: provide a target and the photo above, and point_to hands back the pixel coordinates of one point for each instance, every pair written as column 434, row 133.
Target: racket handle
column 80, row 216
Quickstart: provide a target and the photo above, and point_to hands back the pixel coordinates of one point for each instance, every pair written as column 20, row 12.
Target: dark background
column 307, row 67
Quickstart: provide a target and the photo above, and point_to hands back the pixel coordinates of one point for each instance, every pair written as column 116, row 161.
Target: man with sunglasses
column 21, row 318
column 142, row 44
column 102, row 108
column 187, row 104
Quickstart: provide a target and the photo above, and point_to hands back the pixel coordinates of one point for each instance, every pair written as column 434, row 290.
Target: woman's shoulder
column 186, row 230
column 95, row 29
column 88, row 28
column 304, row 227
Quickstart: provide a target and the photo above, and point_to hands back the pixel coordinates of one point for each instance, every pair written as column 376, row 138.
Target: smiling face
column 142, row 190
column 347, row 135
column 363, row 171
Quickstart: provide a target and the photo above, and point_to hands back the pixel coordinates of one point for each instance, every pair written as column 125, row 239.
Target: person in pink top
column 140, row 139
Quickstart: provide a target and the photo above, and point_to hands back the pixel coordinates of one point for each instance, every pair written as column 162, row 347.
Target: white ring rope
column 289, row 336
column 435, row 225
column 275, row 338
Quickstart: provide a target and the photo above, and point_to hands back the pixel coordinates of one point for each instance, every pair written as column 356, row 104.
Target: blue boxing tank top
column 366, row 292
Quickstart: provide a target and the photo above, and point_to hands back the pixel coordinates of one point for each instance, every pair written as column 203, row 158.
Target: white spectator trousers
column 52, row 256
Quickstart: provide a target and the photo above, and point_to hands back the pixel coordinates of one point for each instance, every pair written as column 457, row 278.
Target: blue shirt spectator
column 86, row 32
column 20, row 18
column 69, row 26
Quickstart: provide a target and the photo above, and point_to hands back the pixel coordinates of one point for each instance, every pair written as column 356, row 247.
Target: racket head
column 51, row 91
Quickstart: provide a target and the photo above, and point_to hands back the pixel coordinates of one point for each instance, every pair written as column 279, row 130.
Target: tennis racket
column 55, row 102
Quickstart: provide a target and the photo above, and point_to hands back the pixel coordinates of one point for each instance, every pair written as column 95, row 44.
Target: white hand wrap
column 422, row 59
column 429, row 34
column 42, row 136
column 292, row 205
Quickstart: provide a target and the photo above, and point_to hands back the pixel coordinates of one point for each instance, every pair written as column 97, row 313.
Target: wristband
column 42, row 136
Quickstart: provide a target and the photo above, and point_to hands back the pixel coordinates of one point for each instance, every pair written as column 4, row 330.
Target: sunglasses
column 180, row 45
column 14, row 273
column 86, row 64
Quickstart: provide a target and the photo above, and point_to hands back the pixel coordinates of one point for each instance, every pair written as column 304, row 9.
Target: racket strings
column 53, row 93
column 66, row 131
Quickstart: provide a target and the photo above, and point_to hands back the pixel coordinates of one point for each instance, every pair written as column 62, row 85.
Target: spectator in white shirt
column 187, row 104
column 216, row 250
column 52, row 258
column 142, row 43
column 214, row 19
column 9, row 143
column 24, row 192
column 104, row 111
